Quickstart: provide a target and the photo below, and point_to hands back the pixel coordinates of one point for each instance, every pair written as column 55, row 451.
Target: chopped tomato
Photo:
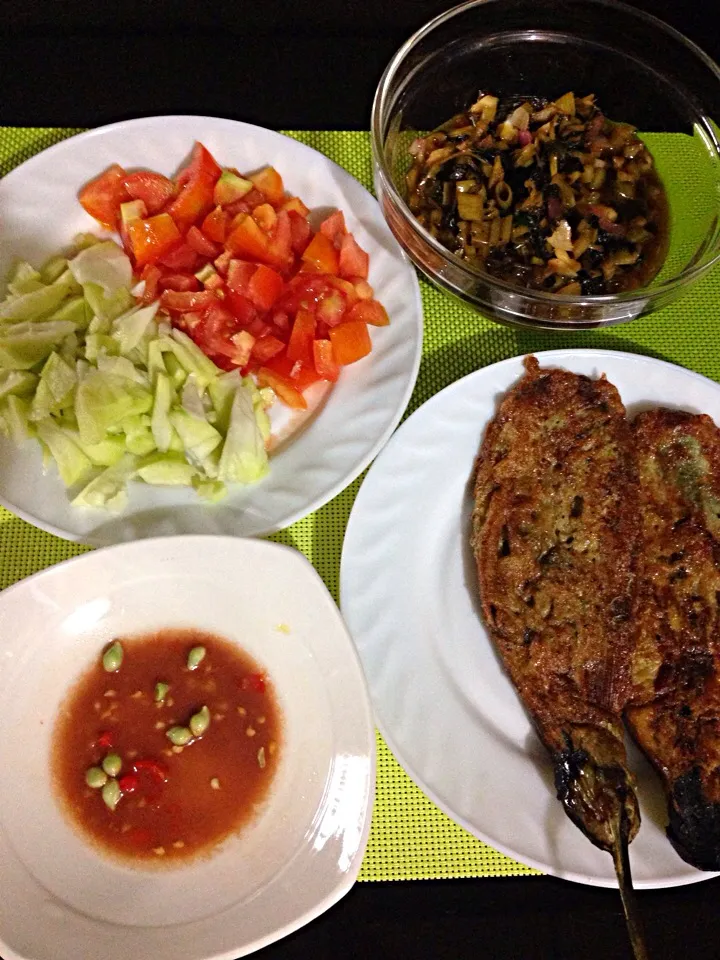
column 214, row 282
column 354, row 262
column 215, row 332
column 331, row 308
column 185, row 301
column 151, row 274
column 264, row 216
column 153, row 189
column 241, row 307
column 300, row 232
column 247, row 204
column 102, row 197
column 200, row 243
column 320, row 256
column 266, row 347
column 215, row 224
column 179, row 281
column 258, row 328
column 347, row 289
column 269, row 182
column 246, row 239
column 350, row 341
column 298, row 373
column 264, row 287
column 181, row 258
column 334, row 228
column 281, row 240
column 222, row 262
column 295, row 205
column 242, row 342
column 202, row 166
column 369, row 311
column 301, row 337
column 324, row 359
column 239, row 273
column 152, row 238
column 363, row 290
column 282, row 386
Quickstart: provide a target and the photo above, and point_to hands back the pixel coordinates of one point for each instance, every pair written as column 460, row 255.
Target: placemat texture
column 410, row 837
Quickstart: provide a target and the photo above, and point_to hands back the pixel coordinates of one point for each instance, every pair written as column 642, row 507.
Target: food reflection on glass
column 547, row 195
column 166, row 746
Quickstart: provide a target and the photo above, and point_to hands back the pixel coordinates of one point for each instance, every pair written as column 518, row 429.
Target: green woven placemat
column 409, row 838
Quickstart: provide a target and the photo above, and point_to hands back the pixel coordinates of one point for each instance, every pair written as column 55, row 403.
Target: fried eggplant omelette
column 675, row 710
column 554, row 532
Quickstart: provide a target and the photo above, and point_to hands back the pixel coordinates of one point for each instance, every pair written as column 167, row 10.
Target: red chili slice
column 129, row 783
column 154, row 769
column 253, row 681
column 105, row 740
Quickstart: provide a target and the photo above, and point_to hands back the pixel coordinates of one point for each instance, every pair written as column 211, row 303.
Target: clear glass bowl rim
column 378, row 150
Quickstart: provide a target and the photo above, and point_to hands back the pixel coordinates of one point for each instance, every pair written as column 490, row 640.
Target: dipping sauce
column 547, row 195
column 166, row 746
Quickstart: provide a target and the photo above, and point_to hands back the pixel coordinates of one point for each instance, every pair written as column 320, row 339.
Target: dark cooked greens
column 549, row 195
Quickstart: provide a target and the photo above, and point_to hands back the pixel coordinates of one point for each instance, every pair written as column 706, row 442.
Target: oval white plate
column 40, row 215
column 61, row 898
column 441, row 697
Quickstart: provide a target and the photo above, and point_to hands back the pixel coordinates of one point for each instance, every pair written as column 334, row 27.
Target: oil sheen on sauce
column 176, row 801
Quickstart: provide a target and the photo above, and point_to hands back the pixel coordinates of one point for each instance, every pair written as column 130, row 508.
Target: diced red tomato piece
column 301, row 337
column 258, row 328
column 215, row 282
column 153, row 189
column 354, row 262
column 350, row 341
column 242, row 344
column 239, row 273
column 264, row 216
column 324, row 359
column 369, row 311
column 282, row 386
column 320, row 256
column 266, row 347
column 246, row 239
column 177, row 301
column 298, row 373
column 194, row 201
column 269, row 182
column 222, row 262
column 281, row 241
column 152, row 238
column 215, row 224
column 179, row 281
column 295, row 205
column 331, row 308
column 243, row 311
column 200, row 244
column 247, row 204
column 334, row 228
column 151, row 275
column 202, row 165
column 300, row 232
column 264, row 287
column 181, row 258
column 281, row 322
column 346, row 288
column 363, row 290
column 102, row 197
column 215, row 332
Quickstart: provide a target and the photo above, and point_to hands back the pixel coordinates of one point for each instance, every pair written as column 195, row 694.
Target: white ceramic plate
column 63, row 900
column 40, row 215
column 441, row 697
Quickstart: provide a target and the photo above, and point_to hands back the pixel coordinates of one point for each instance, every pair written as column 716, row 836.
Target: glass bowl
column 642, row 72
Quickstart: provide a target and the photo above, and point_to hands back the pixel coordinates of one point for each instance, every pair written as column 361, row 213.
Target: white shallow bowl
column 41, row 214
column 408, row 592
column 62, row 899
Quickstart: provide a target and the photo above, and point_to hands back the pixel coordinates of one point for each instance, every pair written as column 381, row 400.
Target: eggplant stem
column 621, row 859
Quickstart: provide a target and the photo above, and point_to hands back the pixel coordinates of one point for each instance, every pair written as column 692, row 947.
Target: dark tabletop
column 315, row 65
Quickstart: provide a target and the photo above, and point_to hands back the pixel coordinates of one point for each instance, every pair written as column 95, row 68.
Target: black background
column 315, row 66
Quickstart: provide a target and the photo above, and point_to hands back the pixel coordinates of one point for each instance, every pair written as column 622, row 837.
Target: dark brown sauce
column 212, row 787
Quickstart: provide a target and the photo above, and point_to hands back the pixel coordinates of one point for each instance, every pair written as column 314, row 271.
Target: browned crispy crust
column 676, row 664
column 554, row 532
